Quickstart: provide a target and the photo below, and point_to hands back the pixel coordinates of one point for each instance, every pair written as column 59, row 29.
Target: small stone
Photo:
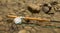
column 56, row 16
column 57, row 30
column 2, row 28
column 23, row 31
column 34, row 8
column 54, row 3
column 28, row 28
column 58, row 5
column 11, row 13
column 33, row 31
column 57, row 8
column 45, row 9
column 1, row 18
column 52, row 11
column 18, row 20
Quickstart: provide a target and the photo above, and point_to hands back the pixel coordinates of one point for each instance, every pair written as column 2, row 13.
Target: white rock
column 18, row 20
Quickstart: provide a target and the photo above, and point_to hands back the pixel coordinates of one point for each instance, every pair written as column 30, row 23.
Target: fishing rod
column 18, row 19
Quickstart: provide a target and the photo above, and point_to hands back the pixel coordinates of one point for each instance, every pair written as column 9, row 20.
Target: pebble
column 4, row 28
column 34, row 7
column 57, row 30
column 56, row 16
column 1, row 18
column 52, row 11
column 54, row 2
column 18, row 20
column 34, row 31
column 57, row 7
column 28, row 28
column 45, row 9
column 23, row 31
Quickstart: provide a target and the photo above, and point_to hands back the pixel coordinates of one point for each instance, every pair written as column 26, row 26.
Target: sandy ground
column 49, row 9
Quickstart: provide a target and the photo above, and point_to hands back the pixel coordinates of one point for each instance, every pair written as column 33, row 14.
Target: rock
column 57, row 30
column 23, row 31
column 34, row 8
column 1, row 18
column 54, row 3
column 58, row 5
column 45, row 9
column 18, row 20
column 56, row 16
column 57, row 8
column 33, row 31
column 28, row 28
column 52, row 11
column 4, row 28
column 3, row 1
column 1, row 23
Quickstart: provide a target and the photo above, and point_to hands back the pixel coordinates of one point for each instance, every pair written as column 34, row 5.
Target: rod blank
column 30, row 18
